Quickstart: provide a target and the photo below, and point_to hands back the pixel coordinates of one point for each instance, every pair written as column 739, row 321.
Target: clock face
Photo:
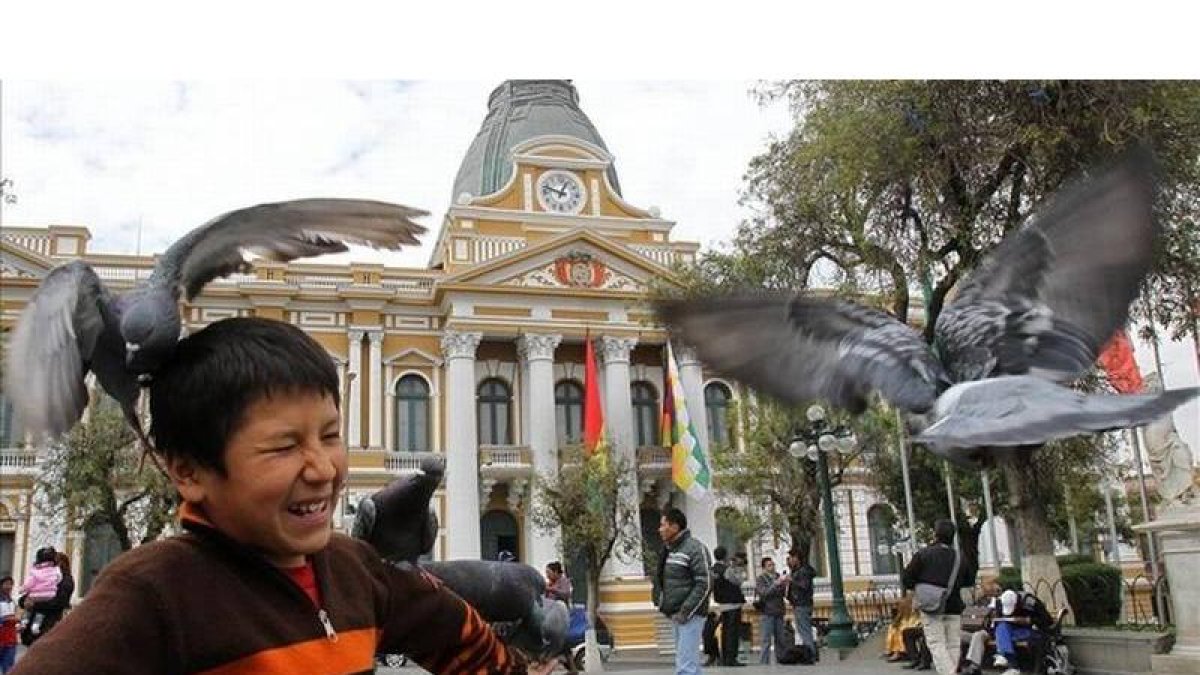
column 560, row 192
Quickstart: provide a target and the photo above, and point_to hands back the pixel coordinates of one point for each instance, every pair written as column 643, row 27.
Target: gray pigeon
column 391, row 519
column 73, row 324
column 1031, row 318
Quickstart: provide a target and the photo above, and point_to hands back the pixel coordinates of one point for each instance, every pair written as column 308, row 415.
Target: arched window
column 716, row 405
column 412, row 415
column 498, row 532
column 880, row 521
column 495, row 409
column 568, row 412
column 645, row 413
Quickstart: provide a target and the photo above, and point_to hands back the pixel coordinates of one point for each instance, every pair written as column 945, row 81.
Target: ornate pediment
column 7, row 269
column 576, row 269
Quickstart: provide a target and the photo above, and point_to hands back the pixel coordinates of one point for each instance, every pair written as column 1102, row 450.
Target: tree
column 96, row 476
column 583, row 504
column 890, row 189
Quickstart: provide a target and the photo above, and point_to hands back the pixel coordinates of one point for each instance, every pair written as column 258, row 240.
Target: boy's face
column 284, row 468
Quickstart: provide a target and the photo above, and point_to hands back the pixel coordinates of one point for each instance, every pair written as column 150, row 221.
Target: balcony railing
column 18, row 459
column 406, row 461
column 504, row 456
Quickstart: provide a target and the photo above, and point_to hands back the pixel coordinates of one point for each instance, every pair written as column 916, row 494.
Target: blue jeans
column 687, row 645
column 771, row 629
column 1007, row 634
column 803, row 626
column 8, row 657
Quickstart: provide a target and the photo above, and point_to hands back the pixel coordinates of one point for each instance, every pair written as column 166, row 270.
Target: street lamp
column 815, row 443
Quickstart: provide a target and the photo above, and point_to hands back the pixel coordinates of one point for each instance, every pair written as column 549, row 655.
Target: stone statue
column 1170, row 458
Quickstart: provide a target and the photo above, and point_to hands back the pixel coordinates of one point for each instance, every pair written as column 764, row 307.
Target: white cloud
column 171, row 155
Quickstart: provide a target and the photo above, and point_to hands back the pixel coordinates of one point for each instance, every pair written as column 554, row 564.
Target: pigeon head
column 150, row 329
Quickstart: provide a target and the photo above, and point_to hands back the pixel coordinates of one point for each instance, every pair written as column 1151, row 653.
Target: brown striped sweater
column 201, row 603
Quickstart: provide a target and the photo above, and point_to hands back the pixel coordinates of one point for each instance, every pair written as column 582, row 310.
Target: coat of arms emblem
column 579, row 269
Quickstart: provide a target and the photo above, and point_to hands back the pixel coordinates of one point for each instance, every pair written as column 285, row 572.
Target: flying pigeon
column 400, row 524
column 1031, row 318
column 73, row 324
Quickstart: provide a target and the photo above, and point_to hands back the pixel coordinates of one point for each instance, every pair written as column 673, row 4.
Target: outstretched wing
column 803, row 348
column 284, row 231
column 52, row 346
column 1024, row 410
column 1063, row 284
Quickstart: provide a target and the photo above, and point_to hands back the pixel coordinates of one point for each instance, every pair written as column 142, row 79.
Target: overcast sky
column 170, row 155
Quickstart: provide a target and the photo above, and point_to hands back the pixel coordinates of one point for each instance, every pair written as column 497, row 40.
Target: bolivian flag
column 689, row 464
column 593, row 414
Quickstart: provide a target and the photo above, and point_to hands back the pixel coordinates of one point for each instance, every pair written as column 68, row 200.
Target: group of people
column 29, row 611
column 927, row 629
column 687, row 580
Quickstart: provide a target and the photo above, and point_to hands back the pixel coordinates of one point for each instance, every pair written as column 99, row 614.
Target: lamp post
column 814, row 443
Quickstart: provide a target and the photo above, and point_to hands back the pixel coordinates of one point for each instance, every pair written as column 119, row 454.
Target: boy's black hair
column 676, row 517
column 199, row 398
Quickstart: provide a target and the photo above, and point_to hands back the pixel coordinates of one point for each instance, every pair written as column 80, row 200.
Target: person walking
column 727, row 592
column 684, row 587
column 770, row 587
column 936, row 574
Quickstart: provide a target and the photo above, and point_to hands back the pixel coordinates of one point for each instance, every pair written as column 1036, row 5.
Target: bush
column 1075, row 559
column 1009, row 577
column 1094, row 591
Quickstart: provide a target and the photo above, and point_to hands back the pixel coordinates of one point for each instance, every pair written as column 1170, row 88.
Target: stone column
column 618, row 422
column 700, row 512
column 375, row 428
column 537, row 357
column 1178, row 528
column 354, row 405
column 462, row 446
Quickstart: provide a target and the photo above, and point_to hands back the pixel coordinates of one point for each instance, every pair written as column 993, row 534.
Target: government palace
column 478, row 356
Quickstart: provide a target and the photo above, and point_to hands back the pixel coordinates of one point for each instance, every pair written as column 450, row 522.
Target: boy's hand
column 542, row 668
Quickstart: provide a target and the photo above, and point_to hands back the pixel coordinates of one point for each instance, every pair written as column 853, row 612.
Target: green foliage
column 1075, row 559
column 1095, row 593
column 583, row 504
column 97, row 476
column 1010, row 578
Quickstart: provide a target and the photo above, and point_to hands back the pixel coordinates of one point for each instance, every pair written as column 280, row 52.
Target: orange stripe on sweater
column 354, row 652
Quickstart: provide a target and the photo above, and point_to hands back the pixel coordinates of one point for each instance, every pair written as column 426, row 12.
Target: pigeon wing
column 282, row 232
column 1028, row 410
column 1082, row 258
column 52, row 346
column 801, row 348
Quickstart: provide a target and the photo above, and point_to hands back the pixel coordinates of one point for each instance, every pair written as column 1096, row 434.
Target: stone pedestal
column 1178, row 530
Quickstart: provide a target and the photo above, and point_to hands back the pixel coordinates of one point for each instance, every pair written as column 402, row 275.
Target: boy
column 245, row 419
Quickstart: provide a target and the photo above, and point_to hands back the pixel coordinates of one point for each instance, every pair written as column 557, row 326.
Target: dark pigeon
column 1031, row 318
column 74, row 325
column 400, row 524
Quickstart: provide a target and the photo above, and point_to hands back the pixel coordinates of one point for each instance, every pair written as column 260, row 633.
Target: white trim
column 433, row 360
column 550, row 162
column 391, row 396
column 568, row 221
column 573, row 142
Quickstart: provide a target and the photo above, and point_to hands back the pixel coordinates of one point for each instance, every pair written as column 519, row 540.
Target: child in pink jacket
column 41, row 584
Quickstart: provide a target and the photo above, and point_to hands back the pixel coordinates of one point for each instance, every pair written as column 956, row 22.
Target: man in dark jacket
column 769, row 588
column 727, row 592
column 683, row 588
column 800, row 594
column 935, row 565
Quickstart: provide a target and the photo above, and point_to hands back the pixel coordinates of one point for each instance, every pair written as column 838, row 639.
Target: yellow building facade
column 477, row 357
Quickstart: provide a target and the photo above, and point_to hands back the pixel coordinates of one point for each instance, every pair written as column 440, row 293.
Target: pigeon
column 73, row 324
column 399, row 523
column 1028, row 321
column 391, row 519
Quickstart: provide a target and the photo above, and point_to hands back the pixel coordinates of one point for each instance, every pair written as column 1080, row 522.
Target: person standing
column 800, row 594
column 558, row 584
column 683, row 588
column 770, row 588
column 8, row 625
column 727, row 592
column 945, row 570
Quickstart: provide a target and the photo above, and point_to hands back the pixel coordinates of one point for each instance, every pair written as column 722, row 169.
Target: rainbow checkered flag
column 689, row 464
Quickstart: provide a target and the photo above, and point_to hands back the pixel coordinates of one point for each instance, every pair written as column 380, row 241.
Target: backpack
column 796, row 655
column 725, row 591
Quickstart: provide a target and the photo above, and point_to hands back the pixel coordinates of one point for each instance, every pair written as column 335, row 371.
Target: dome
column 519, row 110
